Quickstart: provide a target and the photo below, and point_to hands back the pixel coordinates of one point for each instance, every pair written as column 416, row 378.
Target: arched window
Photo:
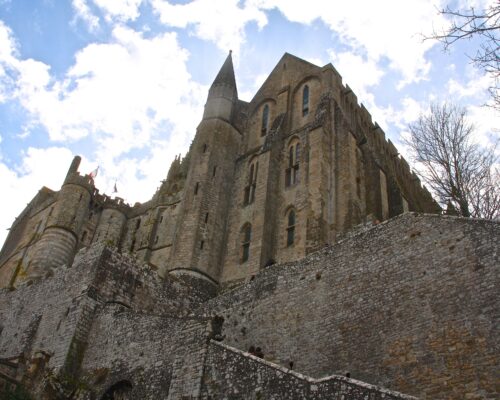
column 290, row 228
column 265, row 120
column 251, row 183
column 292, row 170
column 305, row 101
column 246, row 236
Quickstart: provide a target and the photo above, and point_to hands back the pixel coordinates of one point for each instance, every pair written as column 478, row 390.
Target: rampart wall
column 230, row 373
column 409, row 304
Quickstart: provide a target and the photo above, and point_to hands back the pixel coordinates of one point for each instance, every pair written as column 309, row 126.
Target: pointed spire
column 226, row 73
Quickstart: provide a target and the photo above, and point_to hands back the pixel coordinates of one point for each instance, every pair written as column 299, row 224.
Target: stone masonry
column 266, row 181
column 409, row 304
column 286, row 256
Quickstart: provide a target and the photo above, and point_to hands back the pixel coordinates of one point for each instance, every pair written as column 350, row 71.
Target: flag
column 93, row 174
column 115, row 189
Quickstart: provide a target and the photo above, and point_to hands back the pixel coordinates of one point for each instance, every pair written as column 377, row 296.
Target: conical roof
column 226, row 73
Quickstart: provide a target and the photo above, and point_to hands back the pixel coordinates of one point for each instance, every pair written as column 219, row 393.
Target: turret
column 58, row 243
column 201, row 230
column 223, row 93
column 111, row 222
column 73, row 168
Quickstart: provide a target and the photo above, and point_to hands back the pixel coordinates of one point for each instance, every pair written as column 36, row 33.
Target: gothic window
column 265, row 120
column 204, row 148
column 251, row 183
column 359, row 164
column 290, row 228
column 196, row 187
column 246, row 236
column 305, row 101
column 292, row 170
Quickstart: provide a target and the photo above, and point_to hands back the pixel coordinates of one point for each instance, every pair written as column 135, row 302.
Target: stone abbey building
column 285, row 256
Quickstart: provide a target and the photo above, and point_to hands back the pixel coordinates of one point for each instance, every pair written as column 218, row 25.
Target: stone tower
column 200, row 236
column 269, row 180
column 60, row 237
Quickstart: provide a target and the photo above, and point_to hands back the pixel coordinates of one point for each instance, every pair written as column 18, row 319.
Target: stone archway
column 121, row 390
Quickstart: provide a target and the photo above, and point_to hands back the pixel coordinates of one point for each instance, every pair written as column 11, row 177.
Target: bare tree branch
column 483, row 24
column 464, row 176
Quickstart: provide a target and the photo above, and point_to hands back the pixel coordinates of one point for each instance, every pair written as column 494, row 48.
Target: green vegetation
column 18, row 393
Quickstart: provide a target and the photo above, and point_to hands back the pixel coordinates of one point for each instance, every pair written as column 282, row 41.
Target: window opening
column 245, row 245
column 196, row 187
column 251, row 184
column 305, row 101
column 292, row 171
column 265, row 120
column 290, row 229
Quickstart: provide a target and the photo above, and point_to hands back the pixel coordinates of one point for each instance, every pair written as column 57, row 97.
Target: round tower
column 111, row 223
column 59, row 240
column 201, row 230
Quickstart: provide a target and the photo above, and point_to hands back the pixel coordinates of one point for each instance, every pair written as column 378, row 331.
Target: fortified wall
column 285, row 256
column 409, row 305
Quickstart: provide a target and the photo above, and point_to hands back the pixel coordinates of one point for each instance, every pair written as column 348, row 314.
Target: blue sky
column 123, row 82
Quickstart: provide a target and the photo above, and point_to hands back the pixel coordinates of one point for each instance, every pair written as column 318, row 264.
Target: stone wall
column 157, row 355
column 230, row 373
column 409, row 304
column 59, row 317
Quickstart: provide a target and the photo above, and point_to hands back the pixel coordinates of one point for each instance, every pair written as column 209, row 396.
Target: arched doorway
column 121, row 390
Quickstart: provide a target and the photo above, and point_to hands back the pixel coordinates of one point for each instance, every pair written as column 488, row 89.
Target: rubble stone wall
column 409, row 304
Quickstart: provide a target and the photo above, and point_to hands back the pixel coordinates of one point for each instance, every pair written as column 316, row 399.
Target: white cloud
column 83, row 12
column 477, row 87
column 357, row 72
column 19, row 185
column 123, row 95
column 220, row 21
column 387, row 29
column 121, row 9
column 120, row 92
column 486, row 122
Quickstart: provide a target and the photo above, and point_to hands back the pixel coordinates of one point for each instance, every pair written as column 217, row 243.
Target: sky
column 123, row 83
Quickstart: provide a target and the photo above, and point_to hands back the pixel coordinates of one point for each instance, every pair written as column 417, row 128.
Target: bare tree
column 462, row 174
column 483, row 24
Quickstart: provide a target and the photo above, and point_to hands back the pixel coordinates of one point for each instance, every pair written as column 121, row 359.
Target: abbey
column 291, row 254
column 263, row 182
